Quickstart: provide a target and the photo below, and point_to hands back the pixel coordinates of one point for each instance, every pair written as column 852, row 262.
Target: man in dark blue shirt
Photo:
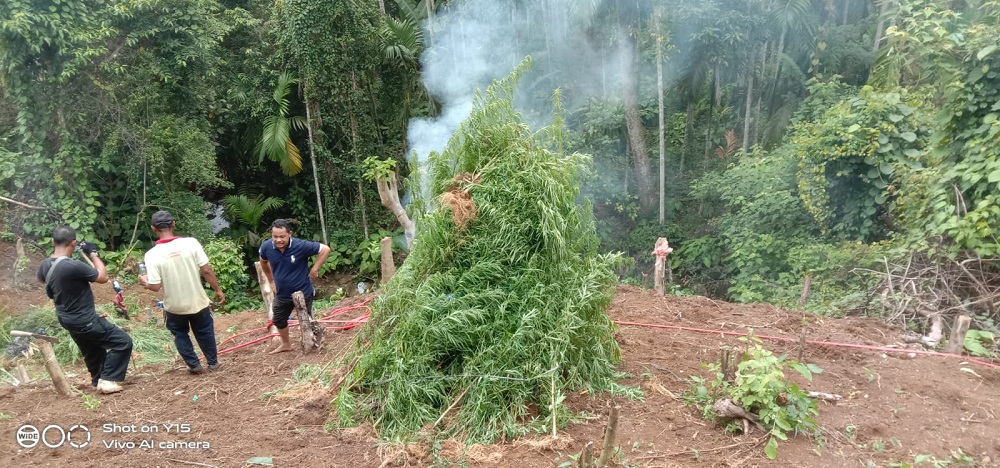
column 285, row 261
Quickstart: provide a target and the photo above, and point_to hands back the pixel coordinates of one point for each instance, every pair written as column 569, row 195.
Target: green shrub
column 760, row 387
column 227, row 261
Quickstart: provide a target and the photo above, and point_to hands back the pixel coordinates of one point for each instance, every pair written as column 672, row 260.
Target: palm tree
column 276, row 139
column 249, row 210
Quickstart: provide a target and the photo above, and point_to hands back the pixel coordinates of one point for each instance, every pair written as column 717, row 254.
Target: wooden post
column 58, row 378
column 22, row 374
column 804, row 297
column 610, row 433
column 660, row 250
column 957, row 340
column 268, row 295
column 388, row 267
column 312, row 332
column 586, row 458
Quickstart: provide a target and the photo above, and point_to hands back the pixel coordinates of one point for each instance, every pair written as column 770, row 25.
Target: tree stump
column 268, row 295
column 956, row 342
column 610, row 434
column 661, row 250
column 312, row 332
column 388, row 267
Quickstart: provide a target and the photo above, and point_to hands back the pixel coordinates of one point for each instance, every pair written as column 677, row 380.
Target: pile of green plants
column 758, row 384
column 501, row 306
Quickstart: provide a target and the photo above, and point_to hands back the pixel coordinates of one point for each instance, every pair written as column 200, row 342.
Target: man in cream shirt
column 176, row 265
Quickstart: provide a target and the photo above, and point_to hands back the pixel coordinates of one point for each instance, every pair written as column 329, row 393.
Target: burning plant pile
column 501, row 306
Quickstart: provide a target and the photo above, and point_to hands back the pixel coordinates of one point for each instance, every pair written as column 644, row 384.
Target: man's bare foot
column 280, row 349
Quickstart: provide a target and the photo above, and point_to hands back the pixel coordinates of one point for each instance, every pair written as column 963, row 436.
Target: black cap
column 162, row 219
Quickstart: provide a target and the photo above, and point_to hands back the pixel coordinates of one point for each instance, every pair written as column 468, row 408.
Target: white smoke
column 478, row 41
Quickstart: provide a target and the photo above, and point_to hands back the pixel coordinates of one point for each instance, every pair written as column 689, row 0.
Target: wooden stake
column 22, row 374
column 610, row 433
column 58, row 378
column 312, row 332
column 388, row 267
column 586, row 458
column 957, row 340
column 268, row 295
column 804, row 297
column 658, row 269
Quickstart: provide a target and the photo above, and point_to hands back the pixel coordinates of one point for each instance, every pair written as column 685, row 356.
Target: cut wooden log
column 388, row 267
column 610, row 434
column 268, row 296
column 956, row 342
column 312, row 332
column 727, row 410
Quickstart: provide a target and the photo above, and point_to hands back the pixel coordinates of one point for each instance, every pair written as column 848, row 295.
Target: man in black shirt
column 106, row 349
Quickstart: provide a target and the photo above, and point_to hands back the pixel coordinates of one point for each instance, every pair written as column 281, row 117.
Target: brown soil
column 895, row 406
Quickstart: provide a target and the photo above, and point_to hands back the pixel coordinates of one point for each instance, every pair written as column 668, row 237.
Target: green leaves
column 985, row 51
column 760, row 387
column 276, row 138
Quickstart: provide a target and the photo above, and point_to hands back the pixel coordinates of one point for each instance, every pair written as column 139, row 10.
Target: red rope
column 293, row 323
column 821, row 343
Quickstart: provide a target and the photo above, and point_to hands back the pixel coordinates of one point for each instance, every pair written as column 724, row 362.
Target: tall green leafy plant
column 276, row 138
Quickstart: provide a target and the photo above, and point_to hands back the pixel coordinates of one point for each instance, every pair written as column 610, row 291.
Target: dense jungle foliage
column 797, row 138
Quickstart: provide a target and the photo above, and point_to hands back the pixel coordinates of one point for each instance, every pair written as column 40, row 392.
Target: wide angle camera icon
column 53, row 436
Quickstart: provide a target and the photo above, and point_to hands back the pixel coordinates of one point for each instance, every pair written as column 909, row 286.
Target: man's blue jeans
column 203, row 326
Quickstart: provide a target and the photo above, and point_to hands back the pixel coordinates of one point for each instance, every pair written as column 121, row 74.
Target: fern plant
column 248, row 210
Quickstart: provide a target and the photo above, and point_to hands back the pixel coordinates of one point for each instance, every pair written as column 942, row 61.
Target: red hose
column 821, row 343
column 349, row 325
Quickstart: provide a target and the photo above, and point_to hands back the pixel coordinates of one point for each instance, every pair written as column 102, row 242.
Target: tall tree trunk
column 747, row 108
column 381, row 6
column 430, row 22
column 711, row 129
column 633, row 124
column 847, row 11
column 659, row 102
column 312, row 158
column 883, row 4
column 757, row 117
column 688, row 136
column 354, row 150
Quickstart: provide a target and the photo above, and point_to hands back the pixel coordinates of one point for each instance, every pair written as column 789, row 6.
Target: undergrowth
column 759, row 386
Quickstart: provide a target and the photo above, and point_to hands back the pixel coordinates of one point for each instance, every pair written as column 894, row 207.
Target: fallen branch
column 825, row 396
column 716, row 449
column 189, row 462
column 30, row 207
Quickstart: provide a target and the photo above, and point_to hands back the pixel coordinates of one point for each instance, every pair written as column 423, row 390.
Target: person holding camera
column 106, row 349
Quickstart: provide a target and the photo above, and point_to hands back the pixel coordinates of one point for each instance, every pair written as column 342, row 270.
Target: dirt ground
column 895, row 407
